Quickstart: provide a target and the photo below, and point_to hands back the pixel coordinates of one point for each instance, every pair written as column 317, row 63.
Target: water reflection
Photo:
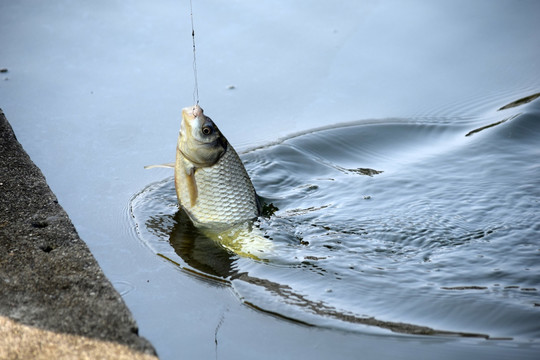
column 212, row 260
column 198, row 251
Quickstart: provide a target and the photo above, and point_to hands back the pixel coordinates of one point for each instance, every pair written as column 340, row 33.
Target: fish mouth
column 191, row 112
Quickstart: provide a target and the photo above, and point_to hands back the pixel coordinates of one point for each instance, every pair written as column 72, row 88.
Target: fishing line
column 196, row 89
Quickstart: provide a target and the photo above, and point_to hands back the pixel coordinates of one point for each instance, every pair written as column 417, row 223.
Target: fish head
column 200, row 140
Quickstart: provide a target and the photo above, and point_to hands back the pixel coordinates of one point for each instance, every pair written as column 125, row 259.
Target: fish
column 214, row 189
column 212, row 184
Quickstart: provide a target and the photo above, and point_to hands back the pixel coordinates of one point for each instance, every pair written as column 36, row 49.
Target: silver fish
column 212, row 185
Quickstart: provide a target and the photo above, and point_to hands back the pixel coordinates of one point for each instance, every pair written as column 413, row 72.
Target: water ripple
column 408, row 225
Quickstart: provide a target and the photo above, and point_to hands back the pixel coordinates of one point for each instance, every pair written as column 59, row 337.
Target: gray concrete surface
column 49, row 280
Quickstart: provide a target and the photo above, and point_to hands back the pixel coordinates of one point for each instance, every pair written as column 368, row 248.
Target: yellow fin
column 243, row 240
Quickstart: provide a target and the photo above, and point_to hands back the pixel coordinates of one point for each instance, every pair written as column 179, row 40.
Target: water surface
column 94, row 92
column 419, row 225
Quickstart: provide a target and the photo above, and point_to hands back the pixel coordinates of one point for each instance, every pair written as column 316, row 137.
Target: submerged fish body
column 212, row 185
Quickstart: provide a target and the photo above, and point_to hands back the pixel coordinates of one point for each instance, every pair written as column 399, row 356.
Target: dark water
column 422, row 225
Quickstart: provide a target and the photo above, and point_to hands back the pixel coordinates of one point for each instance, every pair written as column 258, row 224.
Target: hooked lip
column 191, row 112
column 190, row 115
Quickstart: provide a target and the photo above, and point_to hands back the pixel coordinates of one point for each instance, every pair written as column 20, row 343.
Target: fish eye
column 207, row 130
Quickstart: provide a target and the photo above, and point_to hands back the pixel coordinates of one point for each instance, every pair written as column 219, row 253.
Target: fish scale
column 225, row 193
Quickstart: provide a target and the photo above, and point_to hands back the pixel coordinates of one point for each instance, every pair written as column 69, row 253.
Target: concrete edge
column 53, row 290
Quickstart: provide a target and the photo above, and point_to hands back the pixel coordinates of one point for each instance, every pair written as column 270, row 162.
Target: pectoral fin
column 192, row 188
column 189, row 173
column 169, row 165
